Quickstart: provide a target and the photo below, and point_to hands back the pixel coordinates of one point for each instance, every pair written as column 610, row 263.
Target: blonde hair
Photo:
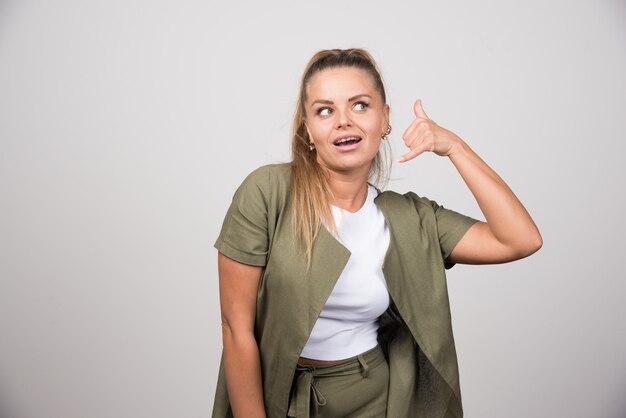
column 310, row 195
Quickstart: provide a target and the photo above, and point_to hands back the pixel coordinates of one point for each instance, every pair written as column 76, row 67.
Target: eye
column 360, row 106
column 324, row 111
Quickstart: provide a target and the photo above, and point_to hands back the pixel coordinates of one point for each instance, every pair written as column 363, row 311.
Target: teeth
column 341, row 141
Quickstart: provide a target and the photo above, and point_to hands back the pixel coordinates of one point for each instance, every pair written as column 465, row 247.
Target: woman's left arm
column 509, row 232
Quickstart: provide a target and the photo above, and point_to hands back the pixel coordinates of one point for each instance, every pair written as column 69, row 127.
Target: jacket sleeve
column 244, row 234
column 450, row 225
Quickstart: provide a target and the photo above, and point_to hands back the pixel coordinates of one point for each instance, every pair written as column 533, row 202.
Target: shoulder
column 445, row 225
column 424, row 206
column 268, row 186
column 410, row 200
column 269, row 176
column 281, row 170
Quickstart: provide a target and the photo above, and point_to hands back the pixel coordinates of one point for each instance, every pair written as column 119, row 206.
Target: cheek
column 319, row 131
column 374, row 127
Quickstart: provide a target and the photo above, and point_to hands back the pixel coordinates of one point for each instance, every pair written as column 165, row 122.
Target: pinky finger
column 412, row 154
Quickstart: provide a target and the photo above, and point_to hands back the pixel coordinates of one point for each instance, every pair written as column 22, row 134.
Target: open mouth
column 347, row 141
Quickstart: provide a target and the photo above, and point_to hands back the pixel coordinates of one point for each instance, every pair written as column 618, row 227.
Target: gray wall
column 125, row 127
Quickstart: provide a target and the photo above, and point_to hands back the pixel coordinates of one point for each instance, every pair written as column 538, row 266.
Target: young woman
column 333, row 294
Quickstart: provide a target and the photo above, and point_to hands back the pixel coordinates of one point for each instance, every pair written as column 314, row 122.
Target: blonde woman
column 333, row 293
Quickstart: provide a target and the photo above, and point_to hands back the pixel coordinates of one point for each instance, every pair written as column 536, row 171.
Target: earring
column 311, row 146
column 385, row 136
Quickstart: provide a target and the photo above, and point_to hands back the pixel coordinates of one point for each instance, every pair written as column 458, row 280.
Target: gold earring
column 385, row 136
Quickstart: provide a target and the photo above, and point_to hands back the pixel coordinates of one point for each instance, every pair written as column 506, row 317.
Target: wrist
column 459, row 149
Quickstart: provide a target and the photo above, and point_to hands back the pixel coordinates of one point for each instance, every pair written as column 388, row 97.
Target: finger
column 422, row 128
column 408, row 141
column 410, row 155
column 421, row 148
column 419, row 109
column 416, row 127
column 408, row 134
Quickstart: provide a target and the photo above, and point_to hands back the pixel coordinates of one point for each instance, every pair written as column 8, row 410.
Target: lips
column 345, row 141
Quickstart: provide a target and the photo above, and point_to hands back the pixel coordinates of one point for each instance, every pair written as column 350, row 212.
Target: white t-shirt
column 348, row 323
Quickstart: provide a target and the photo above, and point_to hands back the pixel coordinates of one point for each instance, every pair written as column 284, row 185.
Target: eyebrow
column 351, row 99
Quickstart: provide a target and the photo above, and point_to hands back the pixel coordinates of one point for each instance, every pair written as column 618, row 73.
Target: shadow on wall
column 6, row 411
column 8, row 9
column 6, row 6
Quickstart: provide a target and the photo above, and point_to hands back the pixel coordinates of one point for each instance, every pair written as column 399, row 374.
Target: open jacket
column 415, row 332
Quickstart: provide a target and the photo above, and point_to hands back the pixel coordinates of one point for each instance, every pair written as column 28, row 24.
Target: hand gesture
column 423, row 134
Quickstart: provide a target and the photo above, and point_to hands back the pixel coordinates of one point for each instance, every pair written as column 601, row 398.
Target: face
column 345, row 119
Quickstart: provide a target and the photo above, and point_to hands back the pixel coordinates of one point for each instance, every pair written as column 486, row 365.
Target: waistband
column 299, row 405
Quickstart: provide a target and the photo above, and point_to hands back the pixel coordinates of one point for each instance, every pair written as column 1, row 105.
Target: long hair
column 310, row 196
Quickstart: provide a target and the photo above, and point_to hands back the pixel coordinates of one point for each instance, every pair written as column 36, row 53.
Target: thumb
column 419, row 110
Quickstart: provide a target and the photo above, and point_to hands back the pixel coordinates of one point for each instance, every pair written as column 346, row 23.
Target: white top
column 347, row 326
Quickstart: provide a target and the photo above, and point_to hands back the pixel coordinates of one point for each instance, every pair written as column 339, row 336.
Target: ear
column 386, row 113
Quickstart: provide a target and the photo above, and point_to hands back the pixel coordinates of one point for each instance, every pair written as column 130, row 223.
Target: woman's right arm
column 239, row 284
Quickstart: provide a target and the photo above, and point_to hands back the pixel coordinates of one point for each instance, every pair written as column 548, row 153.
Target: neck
column 349, row 190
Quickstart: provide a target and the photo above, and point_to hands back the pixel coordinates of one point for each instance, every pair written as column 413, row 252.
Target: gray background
column 125, row 127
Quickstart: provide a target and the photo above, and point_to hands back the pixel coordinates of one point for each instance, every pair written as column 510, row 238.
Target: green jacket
column 415, row 332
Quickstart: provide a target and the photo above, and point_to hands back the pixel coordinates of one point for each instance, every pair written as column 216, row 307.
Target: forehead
column 340, row 83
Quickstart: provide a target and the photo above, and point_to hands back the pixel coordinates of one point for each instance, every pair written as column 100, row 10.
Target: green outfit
column 355, row 388
column 415, row 332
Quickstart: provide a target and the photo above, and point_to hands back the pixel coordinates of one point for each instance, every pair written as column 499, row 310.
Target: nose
column 342, row 123
column 344, row 120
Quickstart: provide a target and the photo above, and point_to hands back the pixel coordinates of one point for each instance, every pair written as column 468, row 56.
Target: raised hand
column 423, row 134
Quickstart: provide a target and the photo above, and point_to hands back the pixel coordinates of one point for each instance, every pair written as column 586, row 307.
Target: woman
column 333, row 294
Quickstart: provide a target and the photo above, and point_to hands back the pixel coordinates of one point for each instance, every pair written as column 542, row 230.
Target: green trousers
column 356, row 388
